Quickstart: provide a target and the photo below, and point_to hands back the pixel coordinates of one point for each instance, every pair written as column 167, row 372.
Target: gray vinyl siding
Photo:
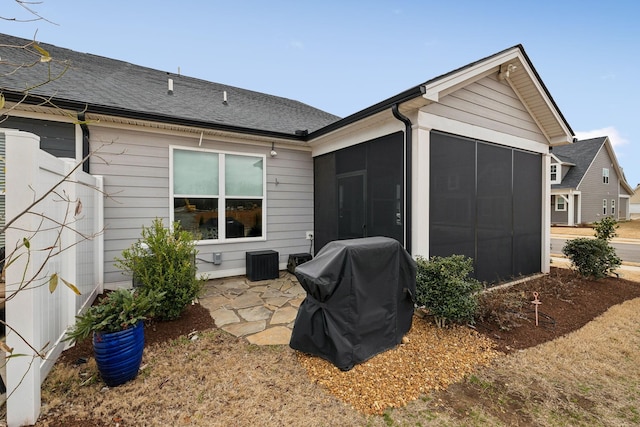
column 594, row 191
column 623, row 209
column 558, row 217
column 490, row 104
column 135, row 166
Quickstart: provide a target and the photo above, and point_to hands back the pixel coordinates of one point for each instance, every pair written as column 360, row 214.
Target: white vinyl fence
column 64, row 237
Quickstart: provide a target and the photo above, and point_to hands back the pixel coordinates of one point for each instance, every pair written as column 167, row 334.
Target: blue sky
column 344, row 56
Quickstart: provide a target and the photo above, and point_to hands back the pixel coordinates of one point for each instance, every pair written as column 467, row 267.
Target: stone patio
column 263, row 312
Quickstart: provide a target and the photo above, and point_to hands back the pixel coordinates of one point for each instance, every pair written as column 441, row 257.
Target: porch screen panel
column 452, row 195
column 324, row 200
column 385, row 186
column 56, row 138
column 527, row 208
column 494, row 212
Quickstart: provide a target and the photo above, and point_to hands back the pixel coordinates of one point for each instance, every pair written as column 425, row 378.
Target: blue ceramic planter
column 119, row 354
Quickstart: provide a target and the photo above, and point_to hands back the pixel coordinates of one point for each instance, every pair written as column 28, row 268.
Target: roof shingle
column 118, row 85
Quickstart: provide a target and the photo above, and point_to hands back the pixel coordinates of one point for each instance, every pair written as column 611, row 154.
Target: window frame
column 222, row 196
column 613, row 206
column 605, row 175
column 564, row 204
column 604, row 206
column 553, row 170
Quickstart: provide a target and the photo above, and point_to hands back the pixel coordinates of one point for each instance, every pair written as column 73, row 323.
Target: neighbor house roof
column 108, row 86
column 581, row 154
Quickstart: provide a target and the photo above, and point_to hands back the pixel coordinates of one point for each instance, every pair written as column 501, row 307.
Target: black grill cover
column 359, row 300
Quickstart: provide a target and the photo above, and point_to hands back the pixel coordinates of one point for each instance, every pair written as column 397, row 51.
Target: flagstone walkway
column 263, row 312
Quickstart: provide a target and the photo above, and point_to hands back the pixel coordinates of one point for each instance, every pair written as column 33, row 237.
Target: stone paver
column 255, row 313
column 283, row 316
column 245, row 328
column 214, row 302
column 223, row 316
column 276, row 302
column 246, row 300
column 278, row 335
column 263, row 312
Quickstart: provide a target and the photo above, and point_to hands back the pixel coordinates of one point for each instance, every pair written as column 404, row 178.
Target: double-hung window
column 604, row 206
column 561, row 205
column 605, row 175
column 218, row 196
column 554, row 174
column 613, row 206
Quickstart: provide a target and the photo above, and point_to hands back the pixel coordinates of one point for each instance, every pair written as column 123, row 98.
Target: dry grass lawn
column 585, row 378
column 625, row 230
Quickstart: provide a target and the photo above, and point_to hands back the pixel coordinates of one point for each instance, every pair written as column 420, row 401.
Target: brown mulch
column 568, row 302
column 194, row 318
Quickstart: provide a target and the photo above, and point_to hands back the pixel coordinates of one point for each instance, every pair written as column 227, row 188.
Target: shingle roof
column 581, row 154
column 124, row 87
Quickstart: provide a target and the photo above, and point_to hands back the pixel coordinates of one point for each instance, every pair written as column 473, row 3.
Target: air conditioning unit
column 297, row 259
column 262, row 265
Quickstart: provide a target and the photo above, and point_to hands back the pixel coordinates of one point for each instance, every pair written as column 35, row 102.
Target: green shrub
column 164, row 261
column 116, row 311
column 444, row 288
column 592, row 257
column 606, row 228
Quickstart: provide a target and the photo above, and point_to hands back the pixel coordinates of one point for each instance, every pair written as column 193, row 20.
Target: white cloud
column 616, row 139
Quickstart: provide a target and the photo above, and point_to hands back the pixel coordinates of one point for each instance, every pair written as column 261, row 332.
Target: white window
column 613, row 207
column 561, row 204
column 210, row 188
column 554, row 174
column 605, row 175
column 604, row 206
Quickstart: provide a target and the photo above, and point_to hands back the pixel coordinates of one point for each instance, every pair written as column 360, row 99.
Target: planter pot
column 119, row 354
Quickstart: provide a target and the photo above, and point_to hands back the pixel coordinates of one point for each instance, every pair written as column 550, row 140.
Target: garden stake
column 536, row 302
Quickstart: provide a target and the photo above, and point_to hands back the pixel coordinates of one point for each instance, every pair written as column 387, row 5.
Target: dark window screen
column 359, row 191
column 485, row 203
column 452, row 196
column 527, row 208
column 494, row 212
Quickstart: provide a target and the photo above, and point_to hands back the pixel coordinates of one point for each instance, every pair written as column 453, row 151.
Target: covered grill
column 359, row 300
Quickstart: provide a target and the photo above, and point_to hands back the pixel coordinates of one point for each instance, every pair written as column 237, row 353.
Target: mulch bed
column 194, row 318
column 568, row 302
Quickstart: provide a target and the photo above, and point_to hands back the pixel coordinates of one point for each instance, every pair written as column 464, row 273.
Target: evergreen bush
column 163, row 261
column 592, row 257
column 606, row 228
column 444, row 288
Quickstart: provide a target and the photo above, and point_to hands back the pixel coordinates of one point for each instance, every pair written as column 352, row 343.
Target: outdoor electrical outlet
column 309, row 235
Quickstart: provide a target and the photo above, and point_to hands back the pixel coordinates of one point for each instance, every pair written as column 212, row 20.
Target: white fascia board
column 378, row 125
column 567, row 138
column 621, row 178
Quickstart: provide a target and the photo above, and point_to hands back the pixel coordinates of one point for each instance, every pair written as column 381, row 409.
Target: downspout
column 408, row 172
column 85, row 140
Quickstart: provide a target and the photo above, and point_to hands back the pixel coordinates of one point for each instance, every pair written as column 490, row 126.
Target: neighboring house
column 635, row 202
column 456, row 165
column 587, row 183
